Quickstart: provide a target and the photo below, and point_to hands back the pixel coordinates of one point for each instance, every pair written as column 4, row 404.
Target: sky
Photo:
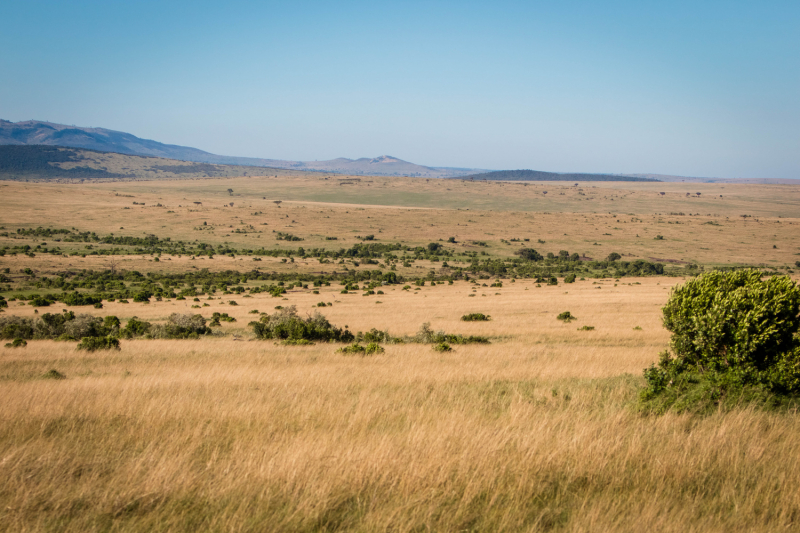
column 692, row 88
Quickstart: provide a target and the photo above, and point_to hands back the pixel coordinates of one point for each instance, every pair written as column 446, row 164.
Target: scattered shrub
column 586, row 328
column 135, row 328
column 91, row 344
column 529, row 254
column 181, row 327
column 57, row 326
column 475, row 317
column 569, row 278
column 17, row 343
column 75, row 298
column 566, row 316
column 426, row 335
column 286, row 324
column 216, row 318
column 442, row 347
column 356, row 349
column 41, row 301
column 53, row 374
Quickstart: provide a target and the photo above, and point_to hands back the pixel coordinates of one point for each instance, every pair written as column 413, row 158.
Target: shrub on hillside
column 734, row 338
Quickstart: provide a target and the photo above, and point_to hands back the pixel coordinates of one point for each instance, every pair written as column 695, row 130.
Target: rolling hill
column 41, row 162
column 34, row 132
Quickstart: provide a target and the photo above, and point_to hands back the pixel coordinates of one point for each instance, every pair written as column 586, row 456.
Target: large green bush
column 734, row 336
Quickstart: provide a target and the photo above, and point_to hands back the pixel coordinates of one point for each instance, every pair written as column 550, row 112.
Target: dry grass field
column 537, row 431
column 593, row 219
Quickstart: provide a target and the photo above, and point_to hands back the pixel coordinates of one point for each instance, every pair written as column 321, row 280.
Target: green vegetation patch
column 734, row 340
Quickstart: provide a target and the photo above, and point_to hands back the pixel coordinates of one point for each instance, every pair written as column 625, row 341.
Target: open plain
column 536, row 431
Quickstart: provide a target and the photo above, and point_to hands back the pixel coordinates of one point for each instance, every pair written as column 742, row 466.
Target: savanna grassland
column 538, row 430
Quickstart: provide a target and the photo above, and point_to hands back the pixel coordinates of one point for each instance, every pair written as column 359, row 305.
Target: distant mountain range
column 538, row 175
column 100, row 139
column 34, row 132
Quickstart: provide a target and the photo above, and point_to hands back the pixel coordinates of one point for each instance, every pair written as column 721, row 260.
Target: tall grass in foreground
column 244, row 436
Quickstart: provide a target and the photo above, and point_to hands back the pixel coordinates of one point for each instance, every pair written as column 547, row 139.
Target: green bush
column 426, row 335
column 442, row 347
column 216, row 318
column 16, row 327
column 286, row 324
column 566, row 316
column 734, row 338
column 375, row 335
column 356, row 349
column 135, row 328
column 17, row 343
column 569, row 278
column 475, row 317
column 66, row 325
column 91, row 344
column 41, row 301
column 180, row 327
column 75, row 298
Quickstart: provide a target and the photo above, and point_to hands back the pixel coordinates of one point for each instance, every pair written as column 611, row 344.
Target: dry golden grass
column 533, row 432
column 621, row 217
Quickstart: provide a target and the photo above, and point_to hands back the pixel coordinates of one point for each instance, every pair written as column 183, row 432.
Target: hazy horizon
column 613, row 87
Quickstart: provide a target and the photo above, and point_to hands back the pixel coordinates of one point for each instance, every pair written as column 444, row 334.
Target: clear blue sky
column 682, row 87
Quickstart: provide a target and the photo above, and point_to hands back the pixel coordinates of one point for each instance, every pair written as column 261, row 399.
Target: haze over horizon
column 683, row 88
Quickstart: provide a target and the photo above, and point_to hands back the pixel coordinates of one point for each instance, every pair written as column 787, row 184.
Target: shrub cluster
column 287, row 325
column 64, row 326
column 91, row 344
